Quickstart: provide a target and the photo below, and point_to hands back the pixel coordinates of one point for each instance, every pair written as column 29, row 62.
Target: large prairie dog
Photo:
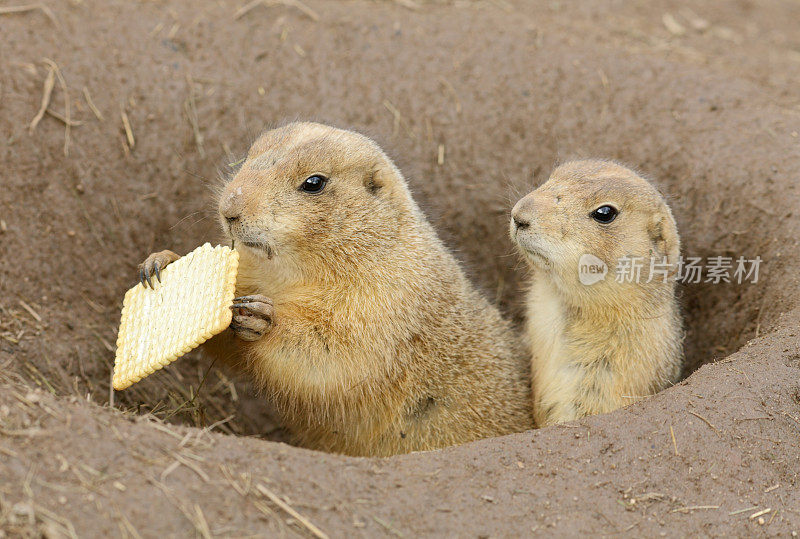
column 598, row 342
column 355, row 319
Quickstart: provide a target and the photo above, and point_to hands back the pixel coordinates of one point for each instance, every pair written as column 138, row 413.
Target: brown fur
column 601, row 346
column 378, row 343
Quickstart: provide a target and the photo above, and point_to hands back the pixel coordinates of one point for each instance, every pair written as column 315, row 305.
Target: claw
column 158, row 272
column 243, row 299
column 141, row 277
column 239, row 306
column 147, row 276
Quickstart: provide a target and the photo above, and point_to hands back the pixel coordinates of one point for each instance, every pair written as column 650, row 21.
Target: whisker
column 196, row 222
column 189, row 215
column 508, row 255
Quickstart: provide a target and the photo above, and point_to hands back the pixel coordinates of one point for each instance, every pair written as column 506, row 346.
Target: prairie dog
column 598, row 341
column 353, row 317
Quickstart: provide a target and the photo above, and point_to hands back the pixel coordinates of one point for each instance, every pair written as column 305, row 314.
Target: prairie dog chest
column 547, row 324
column 545, row 319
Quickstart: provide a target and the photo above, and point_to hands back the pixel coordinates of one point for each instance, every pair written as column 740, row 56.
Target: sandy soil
column 701, row 99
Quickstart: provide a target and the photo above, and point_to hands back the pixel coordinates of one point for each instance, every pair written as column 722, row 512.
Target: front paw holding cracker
column 252, row 316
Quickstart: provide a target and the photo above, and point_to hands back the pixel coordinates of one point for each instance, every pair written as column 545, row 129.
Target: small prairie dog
column 353, row 317
column 601, row 337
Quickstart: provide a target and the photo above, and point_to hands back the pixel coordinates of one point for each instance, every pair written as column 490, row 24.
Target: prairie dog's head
column 594, row 216
column 310, row 194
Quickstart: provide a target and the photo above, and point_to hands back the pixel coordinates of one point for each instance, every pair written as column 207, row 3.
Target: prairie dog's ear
column 664, row 236
column 376, row 178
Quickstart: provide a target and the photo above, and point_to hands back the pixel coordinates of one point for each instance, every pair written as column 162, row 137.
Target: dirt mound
column 477, row 102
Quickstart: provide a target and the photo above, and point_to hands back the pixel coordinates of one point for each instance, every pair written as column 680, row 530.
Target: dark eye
column 605, row 214
column 314, row 184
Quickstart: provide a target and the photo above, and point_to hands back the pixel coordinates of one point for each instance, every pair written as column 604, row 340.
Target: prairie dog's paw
column 152, row 266
column 252, row 316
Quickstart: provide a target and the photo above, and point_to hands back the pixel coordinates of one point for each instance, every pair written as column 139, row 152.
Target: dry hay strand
column 408, row 4
column 53, row 73
column 126, row 125
column 297, row 4
column 92, row 106
column 190, row 108
column 67, row 120
column 195, row 517
column 63, row 119
column 316, row 532
column 11, row 10
column 47, row 91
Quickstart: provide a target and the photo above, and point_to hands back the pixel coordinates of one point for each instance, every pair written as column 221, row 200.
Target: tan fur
column 597, row 347
column 378, row 344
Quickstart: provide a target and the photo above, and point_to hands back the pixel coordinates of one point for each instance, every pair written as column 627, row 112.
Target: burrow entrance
column 716, row 218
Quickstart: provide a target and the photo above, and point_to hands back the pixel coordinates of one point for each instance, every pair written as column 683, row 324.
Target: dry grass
column 11, row 10
column 297, row 4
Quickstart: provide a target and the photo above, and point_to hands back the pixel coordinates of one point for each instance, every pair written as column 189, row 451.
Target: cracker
column 187, row 307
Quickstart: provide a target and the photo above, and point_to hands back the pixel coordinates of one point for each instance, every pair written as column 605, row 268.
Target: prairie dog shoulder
column 602, row 319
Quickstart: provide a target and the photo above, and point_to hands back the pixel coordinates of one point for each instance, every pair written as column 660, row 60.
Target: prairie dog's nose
column 522, row 213
column 230, row 207
column 520, row 222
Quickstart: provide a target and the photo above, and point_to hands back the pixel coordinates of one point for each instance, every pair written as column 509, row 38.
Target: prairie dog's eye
column 314, row 184
column 605, row 214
